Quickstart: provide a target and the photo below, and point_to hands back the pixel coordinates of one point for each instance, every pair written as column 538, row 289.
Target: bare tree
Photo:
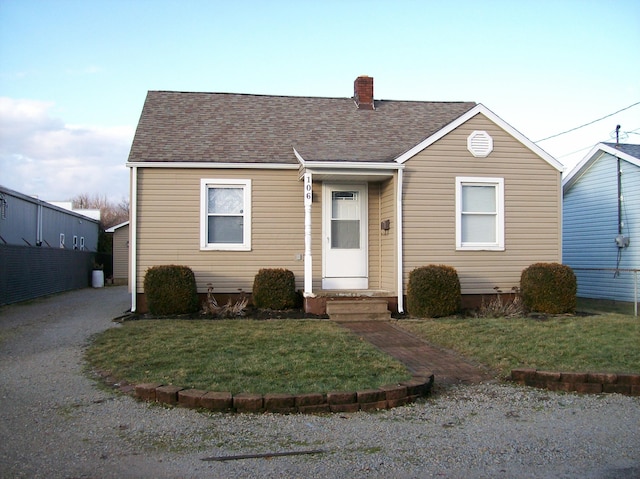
column 111, row 214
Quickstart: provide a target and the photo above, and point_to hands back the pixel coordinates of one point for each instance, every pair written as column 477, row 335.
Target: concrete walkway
column 419, row 356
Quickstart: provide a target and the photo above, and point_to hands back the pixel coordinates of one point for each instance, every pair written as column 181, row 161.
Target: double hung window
column 225, row 214
column 479, row 213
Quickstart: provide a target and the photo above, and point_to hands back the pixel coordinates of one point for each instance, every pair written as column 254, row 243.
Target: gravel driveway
column 55, row 422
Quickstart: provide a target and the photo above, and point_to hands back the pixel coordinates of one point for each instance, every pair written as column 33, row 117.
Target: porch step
column 360, row 309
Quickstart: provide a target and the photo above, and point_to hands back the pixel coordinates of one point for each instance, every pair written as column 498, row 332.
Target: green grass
column 601, row 343
column 276, row 356
column 605, row 306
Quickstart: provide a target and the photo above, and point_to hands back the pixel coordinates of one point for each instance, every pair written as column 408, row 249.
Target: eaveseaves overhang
column 347, row 170
column 596, row 153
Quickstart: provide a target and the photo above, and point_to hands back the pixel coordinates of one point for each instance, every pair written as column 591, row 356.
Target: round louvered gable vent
column 480, row 144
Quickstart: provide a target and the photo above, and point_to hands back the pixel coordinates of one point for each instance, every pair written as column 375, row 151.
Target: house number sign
column 308, row 189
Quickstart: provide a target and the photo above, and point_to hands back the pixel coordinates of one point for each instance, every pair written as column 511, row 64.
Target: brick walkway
column 419, row 356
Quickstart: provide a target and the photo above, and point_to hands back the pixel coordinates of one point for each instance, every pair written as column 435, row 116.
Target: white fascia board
column 211, row 165
column 621, row 154
column 114, row 228
column 360, row 168
column 480, row 108
column 351, row 165
column 345, row 165
column 581, row 167
column 590, row 158
column 299, row 157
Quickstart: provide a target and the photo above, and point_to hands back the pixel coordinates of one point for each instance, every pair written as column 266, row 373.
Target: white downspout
column 133, row 244
column 399, row 229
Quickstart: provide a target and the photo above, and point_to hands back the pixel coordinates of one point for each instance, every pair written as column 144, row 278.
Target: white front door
column 344, row 228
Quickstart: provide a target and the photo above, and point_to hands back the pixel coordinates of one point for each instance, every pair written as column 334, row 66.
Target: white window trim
column 205, row 184
column 499, row 184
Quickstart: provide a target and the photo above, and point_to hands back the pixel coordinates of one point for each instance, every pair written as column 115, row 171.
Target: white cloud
column 42, row 155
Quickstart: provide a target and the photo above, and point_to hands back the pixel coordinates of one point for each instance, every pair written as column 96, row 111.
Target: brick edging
column 591, row 383
column 384, row 397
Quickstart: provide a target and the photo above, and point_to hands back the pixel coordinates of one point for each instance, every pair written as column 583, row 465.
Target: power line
column 587, row 124
column 634, row 131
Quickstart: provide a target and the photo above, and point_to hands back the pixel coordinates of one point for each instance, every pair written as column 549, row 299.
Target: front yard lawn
column 275, row 356
column 599, row 343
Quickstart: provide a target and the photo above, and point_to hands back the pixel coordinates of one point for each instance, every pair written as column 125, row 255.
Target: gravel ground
column 55, row 422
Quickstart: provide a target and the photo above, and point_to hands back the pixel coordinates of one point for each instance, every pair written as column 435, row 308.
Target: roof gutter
column 211, row 165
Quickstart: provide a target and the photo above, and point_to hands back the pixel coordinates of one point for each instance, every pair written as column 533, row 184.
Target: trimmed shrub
column 549, row 288
column 171, row 289
column 274, row 289
column 433, row 291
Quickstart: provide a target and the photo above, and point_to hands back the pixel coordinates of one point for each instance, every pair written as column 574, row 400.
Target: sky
column 74, row 74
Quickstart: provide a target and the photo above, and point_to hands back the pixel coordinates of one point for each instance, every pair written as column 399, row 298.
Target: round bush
column 549, row 288
column 433, row 291
column 274, row 289
column 171, row 289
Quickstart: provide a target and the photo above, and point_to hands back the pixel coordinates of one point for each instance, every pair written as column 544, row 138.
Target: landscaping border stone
column 384, row 397
column 586, row 383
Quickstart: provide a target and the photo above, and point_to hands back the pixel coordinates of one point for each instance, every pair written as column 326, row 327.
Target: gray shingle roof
column 240, row 128
column 633, row 150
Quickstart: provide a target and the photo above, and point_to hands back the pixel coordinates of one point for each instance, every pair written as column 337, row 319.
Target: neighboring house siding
column 591, row 224
column 20, row 225
column 32, row 261
column 121, row 255
column 22, row 213
column 168, row 209
column 532, row 208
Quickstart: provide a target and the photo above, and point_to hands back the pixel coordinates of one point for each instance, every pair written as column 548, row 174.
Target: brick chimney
column 363, row 92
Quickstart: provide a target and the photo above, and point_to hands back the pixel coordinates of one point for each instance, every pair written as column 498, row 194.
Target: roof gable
column 480, row 109
column 180, row 127
column 626, row 152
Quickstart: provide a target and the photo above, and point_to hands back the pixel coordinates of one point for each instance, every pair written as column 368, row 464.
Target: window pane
column 345, row 234
column 479, row 199
column 226, row 201
column 225, row 229
column 344, row 205
column 478, row 229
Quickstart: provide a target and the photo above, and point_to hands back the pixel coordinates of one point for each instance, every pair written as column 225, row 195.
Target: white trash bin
column 97, row 278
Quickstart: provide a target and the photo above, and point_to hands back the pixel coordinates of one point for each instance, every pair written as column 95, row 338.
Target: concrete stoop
column 358, row 309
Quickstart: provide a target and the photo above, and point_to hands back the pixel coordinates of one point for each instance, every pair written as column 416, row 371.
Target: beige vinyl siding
column 532, row 208
column 388, row 247
column 169, row 226
column 374, row 235
column 121, row 255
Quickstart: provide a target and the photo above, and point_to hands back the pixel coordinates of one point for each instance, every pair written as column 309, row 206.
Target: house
column 351, row 194
column 120, row 244
column 44, row 249
column 601, row 231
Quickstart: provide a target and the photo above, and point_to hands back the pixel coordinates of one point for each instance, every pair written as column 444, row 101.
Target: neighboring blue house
column 601, row 222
